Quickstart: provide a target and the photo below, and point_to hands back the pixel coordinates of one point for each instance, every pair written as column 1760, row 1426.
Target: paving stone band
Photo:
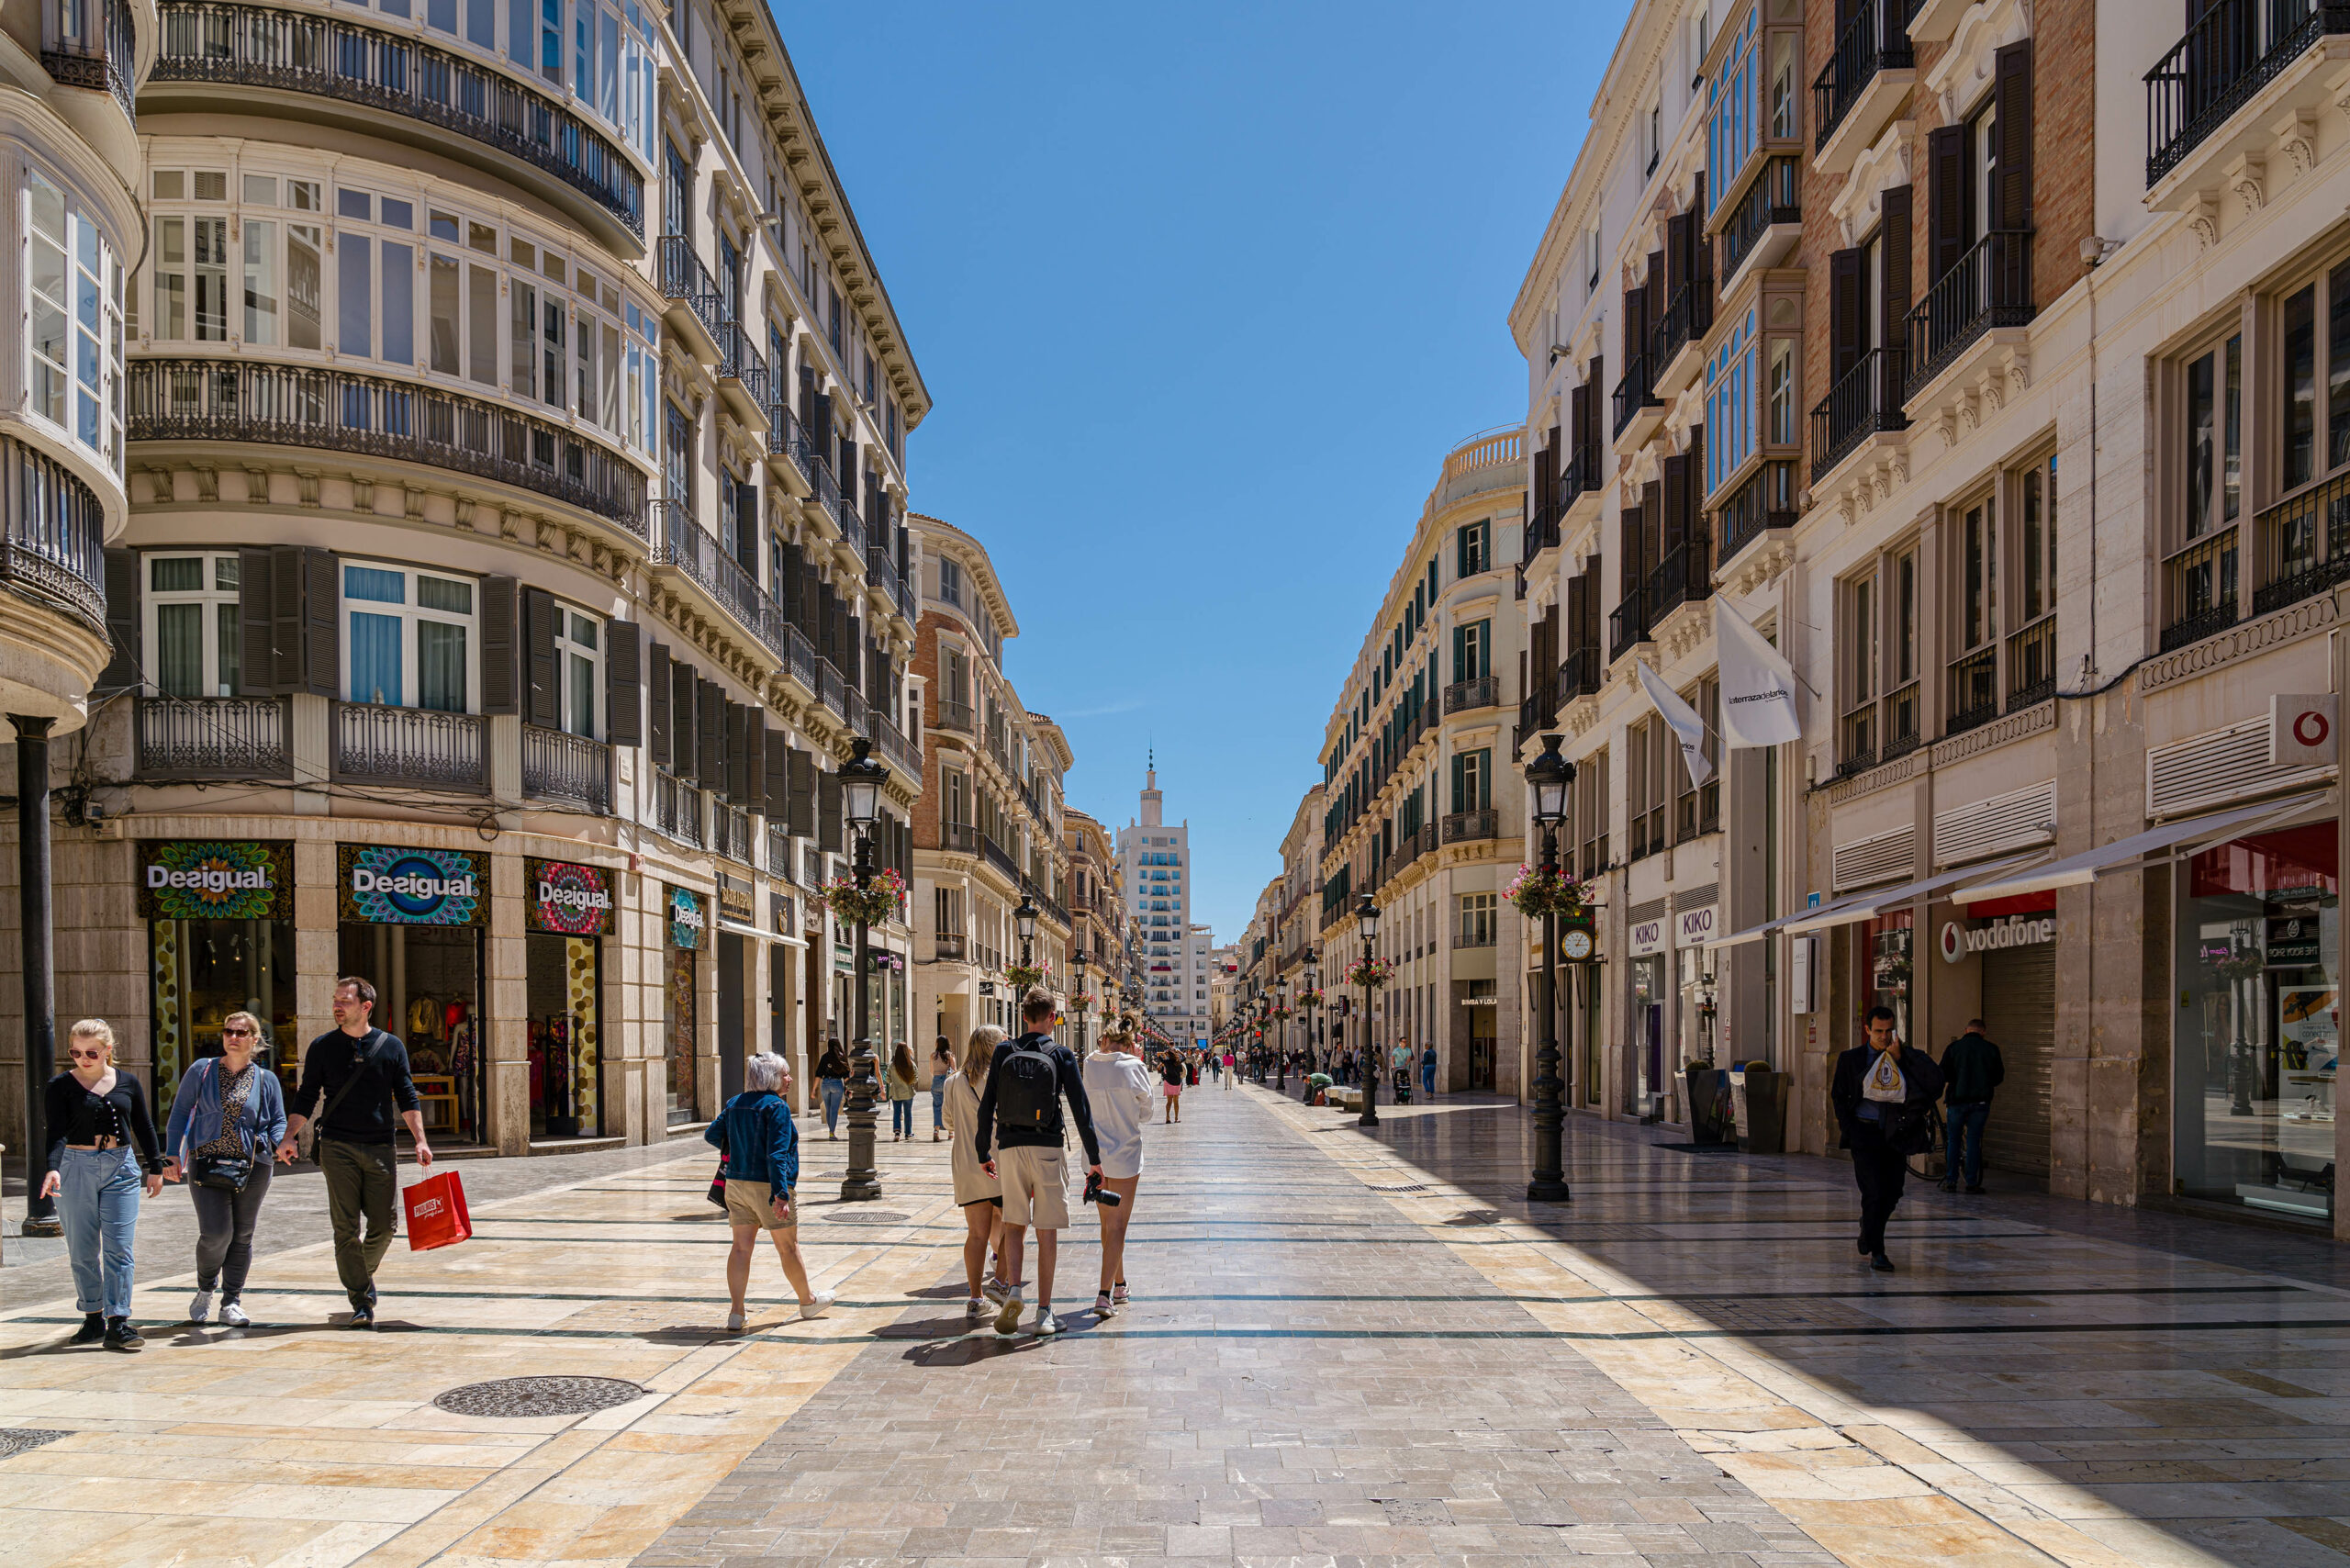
column 867, row 1217
column 18, row 1440
column 529, row 1397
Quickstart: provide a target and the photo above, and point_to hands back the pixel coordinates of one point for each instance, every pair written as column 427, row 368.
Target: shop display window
column 428, row 991
column 2257, row 1034
column 1884, row 956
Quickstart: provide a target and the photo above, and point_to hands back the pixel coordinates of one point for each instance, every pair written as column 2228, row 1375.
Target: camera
column 1096, row 1193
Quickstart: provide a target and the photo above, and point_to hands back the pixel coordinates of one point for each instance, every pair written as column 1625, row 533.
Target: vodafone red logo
column 2310, row 728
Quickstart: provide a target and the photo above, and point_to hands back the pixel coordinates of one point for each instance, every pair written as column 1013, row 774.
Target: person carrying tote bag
column 227, row 1119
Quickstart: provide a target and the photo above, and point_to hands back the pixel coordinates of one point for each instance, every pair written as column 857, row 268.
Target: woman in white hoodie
column 1118, row 1085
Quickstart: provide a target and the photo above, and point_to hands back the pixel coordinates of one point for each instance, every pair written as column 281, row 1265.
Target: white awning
column 2123, row 854
column 1859, row 903
column 1869, row 905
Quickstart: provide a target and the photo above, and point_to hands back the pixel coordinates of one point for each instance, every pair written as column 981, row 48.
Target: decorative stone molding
column 1996, row 734
column 2247, row 174
column 1900, row 770
column 1684, row 627
column 1886, row 166
column 1758, row 569
column 2205, row 219
column 1963, row 72
column 2245, row 638
column 2297, row 139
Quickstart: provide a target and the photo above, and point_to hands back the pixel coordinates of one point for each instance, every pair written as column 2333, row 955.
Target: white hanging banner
column 1758, row 685
column 1687, row 728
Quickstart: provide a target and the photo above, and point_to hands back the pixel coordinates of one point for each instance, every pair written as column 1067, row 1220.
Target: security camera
column 2095, row 248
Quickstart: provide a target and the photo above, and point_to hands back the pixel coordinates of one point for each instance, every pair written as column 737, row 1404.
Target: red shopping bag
column 435, row 1209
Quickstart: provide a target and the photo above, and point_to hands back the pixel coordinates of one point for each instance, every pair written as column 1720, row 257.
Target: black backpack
column 1028, row 1090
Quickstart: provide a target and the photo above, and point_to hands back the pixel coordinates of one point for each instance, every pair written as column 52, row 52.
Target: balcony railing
column 687, row 546
column 1765, row 501
column 780, row 855
column 1688, row 316
column 961, row 837
column 832, row 688
column 1856, row 741
column 2031, row 664
column 376, row 744
column 260, row 46
column 2233, row 50
column 997, row 856
column 339, row 410
column 788, row 438
column 1461, row 827
column 52, row 533
column 954, row 715
column 1634, row 392
column 1541, row 532
column 683, row 277
column 1685, row 577
column 1875, row 38
column 733, row 825
column 95, row 45
column 799, row 657
column 677, row 810
column 1988, row 286
column 1974, row 690
column 1774, row 197
column 2200, row 581
column 1479, row 691
column 559, row 765
column 1579, row 674
column 739, row 360
column 2304, row 544
column 1901, row 736
column 893, row 744
column 947, row 948
column 214, row 737
column 1866, row 401
column 1627, row 626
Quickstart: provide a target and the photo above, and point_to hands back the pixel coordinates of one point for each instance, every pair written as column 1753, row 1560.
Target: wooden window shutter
column 1628, row 552
column 1652, row 527
column 321, row 631
column 1946, row 184
column 774, row 798
column 499, row 610
column 799, row 813
column 1677, row 270
column 755, row 761
column 828, row 812
column 737, row 726
column 285, row 616
column 1579, row 422
column 709, row 734
column 624, row 683
column 1900, row 279
column 1636, row 326
column 656, row 688
column 123, row 619
column 1595, row 385
column 2011, row 89
column 1846, row 296
column 685, row 727
column 1673, row 516
column 257, row 657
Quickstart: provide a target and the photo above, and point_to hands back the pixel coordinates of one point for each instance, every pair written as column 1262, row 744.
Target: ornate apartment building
column 498, row 428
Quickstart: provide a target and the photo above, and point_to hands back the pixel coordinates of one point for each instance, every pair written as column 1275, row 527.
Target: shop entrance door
column 2020, row 1014
column 428, row 991
column 679, row 1035
column 734, row 1016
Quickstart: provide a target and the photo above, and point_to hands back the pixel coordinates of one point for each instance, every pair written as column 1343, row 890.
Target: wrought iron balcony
column 780, row 855
column 1775, row 198
column 2200, row 585
column 2232, row 50
column 1685, row 575
column 954, row 715
column 2304, row 544
column 686, row 547
column 1856, row 742
column 417, row 748
column 1687, row 316
column 214, row 737
column 341, row 410
column 895, row 745
column 1989, row 286
column 1901, row 713
column 1627, row 625
column 961, row 837
column 695, row 303
column 788, row 439
column 574, row 769
column 1875, row 38
column 1866, row 401
column 677, row 810
column 1635, row 392
column 1461, row 828
column 52, row 532
column 1480, row 691
column 337, row 58
column 995, row 855
column 742, row 368
column 831, row 687
column 1974, row 690
column 2031, row 664
column 95, row 44
column 734, row 825
column 1766, row 500
column 1579, row 674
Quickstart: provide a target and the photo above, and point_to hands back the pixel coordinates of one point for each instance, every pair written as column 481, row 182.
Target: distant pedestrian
column 942, row 1068
column 832, row 1075
column 227, row 1121
column 1027, row 1082
column 1973, row 1068
column 977, row 1193
column 1229, row 1074
column 102, row 1154
column 1881, row 1093
column 1117, row 1088
column 901, row 1086
column 361, row 1073
column 1427, row 1070
column 1170, row 1077
column 762, row 1149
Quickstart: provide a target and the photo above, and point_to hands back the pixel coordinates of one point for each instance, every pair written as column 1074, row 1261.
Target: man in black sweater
column 362, row 1073
column 1880, row 1094
column 1027, row 1080
column 1972, row 1065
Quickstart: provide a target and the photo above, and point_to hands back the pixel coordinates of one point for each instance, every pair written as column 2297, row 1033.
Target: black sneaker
column 93, row 1329
column 361, row 1316
column 1977, row 1191
column 121, row 1336
column 1880, row 1263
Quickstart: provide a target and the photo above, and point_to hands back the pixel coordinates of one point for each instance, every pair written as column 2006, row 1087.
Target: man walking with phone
column 1020, row 1118
column 362, row 1072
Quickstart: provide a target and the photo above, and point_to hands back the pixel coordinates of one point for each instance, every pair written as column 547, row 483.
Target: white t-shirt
column 1119, row 1089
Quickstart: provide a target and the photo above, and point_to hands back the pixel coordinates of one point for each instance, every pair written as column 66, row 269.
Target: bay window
column 74, row 308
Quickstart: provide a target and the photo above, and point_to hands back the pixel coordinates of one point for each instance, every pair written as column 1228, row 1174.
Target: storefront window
column 411, row 925
column 219, row 940
column 1648, row 1026
column 2258, row 1028
column 680, row 1016
column 569, row 914
column 1885, row 955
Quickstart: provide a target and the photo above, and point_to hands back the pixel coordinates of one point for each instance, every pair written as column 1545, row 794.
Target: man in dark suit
column 1881, row 1093
column 1972, row 1068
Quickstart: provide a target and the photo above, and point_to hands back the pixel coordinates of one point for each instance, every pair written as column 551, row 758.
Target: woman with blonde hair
column 1118, row 1086
column 229, row 1114
column 901, row 1086
column 101, row 1140
column 977, row 1193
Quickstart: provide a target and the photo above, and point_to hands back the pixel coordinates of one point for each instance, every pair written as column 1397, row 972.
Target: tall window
column 1474, row 553
column 1974, row 690
column 1646, row 776
column 192, row 632
column 1472, row 657
column 1699, row 806
column 1480, row 920
column 407, row 632
column 950, row 580
column 578, row 661
column 75, row 305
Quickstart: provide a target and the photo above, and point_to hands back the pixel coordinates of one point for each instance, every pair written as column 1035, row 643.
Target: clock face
column 1575, row 945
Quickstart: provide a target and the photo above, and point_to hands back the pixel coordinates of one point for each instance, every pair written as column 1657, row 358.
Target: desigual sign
column 213, row 879
column 1959, row 941
column 385, row 885
column 686, row 921
column 569, row 900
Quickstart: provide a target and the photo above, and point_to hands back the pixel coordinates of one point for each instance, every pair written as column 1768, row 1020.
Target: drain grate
column 18, row 1440
column 524, row 1398
column 1408, row 1187
column 867, row 1216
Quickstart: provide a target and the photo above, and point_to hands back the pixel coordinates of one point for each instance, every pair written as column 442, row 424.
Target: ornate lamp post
column 1076, row 968
column 1027, row 916
column 1366, row 916
column 1281, row 1051
column 861, row 781
column 1313, row 988
column 1546, row 779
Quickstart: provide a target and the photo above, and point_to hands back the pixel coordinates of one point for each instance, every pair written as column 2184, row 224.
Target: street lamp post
column 1026, row 915
column 1546, row 779
column 1077, row 971
column 861, row 781
column 1366, row 916
column 1281, row 1051
column 1313, row 1023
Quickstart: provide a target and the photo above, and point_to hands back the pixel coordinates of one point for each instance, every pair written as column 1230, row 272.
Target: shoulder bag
column 319, row 1128
column 221, row 1172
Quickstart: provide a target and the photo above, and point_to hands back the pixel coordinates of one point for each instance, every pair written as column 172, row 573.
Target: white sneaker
column 734, row 1323
column 1046, row 1322
column 975, row 1309
column 814, row 1306
column 1007, row 1321
column 199, row 1308
column 233, row 1316
column 995, row 1291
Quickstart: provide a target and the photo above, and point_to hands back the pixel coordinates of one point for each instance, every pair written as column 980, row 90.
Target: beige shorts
column 750, row 1203
column 1035, row 1186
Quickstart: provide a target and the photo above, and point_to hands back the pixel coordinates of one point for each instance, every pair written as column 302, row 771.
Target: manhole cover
column 16, row 1440
column 1411, row 1187
column 525, row 1397
column 867, row 1216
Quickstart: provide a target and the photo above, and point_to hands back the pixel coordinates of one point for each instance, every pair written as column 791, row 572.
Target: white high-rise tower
column 1155, row 858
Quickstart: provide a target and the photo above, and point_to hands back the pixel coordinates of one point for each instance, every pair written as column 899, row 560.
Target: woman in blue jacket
column 229, row 1109
column 761, row 1149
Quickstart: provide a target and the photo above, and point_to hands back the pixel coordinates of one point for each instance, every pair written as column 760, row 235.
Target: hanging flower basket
column 1023, row 975
column 1374, row 972
column 872, row 905
column 1535, row 892
column 1279, row 1012
column 1082, row 1003
column 2249, row 963
column 1309, row 999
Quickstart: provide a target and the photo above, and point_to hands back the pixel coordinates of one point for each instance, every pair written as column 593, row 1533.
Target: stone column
column 502, row 1029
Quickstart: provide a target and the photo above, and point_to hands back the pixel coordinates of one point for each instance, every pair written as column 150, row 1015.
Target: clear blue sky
column 1202, row 293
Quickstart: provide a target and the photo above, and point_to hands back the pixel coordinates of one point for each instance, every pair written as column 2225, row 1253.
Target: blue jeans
column 98, row 1198
column 1427, row 1078
column 1966, row 1121
column 833, row 1089
column 901, row 1116
column 937, row 1102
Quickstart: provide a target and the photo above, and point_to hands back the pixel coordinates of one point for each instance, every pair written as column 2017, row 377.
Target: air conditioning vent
column 2017, row 819
column 1696, row 897
column 1879, row 858
column 2219, row 769
column 1651, row 909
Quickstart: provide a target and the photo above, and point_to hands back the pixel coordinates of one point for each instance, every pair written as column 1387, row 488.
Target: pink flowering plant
column 1025, row 975
column 872, row 905
column 1536, row 892
column 1373, row 972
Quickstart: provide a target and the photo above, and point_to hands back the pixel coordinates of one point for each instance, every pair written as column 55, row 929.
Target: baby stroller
column 1402, row 1086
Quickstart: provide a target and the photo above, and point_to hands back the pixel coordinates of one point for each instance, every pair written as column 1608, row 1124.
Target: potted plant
column 1372, row 972
column 871, row 904
column 1535, row 892
column 1023, row 975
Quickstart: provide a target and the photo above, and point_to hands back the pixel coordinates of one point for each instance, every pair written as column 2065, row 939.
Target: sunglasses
column 235, row 1032
column 87, row 1055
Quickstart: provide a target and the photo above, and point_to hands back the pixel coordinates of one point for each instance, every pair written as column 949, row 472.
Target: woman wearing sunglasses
column 228, row 1117
column 101, row 1139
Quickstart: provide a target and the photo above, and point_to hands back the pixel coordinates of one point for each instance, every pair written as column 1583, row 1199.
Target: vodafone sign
column 2302, row 729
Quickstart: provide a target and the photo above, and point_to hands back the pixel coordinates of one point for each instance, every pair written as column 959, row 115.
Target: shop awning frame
column 1867, row 905
column 1772, row 927
column 2132, row 854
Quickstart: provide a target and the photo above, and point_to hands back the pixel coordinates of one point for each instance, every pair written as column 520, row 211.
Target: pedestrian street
column 1345, row 1346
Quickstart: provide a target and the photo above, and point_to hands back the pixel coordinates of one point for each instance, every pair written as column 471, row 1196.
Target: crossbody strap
column 334, row 1100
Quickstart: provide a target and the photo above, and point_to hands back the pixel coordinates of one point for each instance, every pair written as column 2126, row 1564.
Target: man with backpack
column 1027, row 1081
column 362, row 1073
column 1973, row 1069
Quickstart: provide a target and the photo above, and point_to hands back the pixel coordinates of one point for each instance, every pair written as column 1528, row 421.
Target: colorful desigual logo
column 384, row 885
column 213, row 879
column 686, row 921
column 568, row 899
